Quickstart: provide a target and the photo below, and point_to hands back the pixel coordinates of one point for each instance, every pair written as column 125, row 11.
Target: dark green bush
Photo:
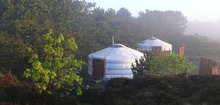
column 172, row 90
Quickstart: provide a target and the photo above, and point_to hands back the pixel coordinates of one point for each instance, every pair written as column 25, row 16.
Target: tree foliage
column 31, row 17
column 162, row 23
column 58, row 68
column 171, row 64
column 22, row 22
column 12, row 53
column 142, row 65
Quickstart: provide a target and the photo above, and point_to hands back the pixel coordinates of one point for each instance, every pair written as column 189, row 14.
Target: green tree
column 171, row 64
column 12, row 53
column 57, row 68
column 23, row 22
column 123, row 13
column 34, row 17
column 142, row 65
column 162, row 23
column 124, row 28
column 93, row 31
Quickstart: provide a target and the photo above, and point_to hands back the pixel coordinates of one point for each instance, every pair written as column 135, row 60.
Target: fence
column 208, row 67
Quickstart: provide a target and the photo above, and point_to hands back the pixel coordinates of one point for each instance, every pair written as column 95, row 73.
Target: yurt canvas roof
column 117, row 53
column 153, row 41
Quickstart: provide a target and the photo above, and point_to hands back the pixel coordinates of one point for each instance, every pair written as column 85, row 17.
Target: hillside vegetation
column 196, row 46
column 172, row 90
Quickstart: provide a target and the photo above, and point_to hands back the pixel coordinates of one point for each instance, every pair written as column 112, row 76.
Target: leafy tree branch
column 58, row 70
column 171, row 64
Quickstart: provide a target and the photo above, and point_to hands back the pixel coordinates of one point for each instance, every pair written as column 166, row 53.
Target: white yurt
column 113, row 62
column 149, row 43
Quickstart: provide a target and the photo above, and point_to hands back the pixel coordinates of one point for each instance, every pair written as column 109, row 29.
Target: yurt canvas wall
column 154, row 44
column 113, row 62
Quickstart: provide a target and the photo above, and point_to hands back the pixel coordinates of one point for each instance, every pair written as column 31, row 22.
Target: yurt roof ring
column 117, row 45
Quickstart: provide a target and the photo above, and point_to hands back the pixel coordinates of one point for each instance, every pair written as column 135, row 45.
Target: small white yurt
column 153, row 42
column 113, row 62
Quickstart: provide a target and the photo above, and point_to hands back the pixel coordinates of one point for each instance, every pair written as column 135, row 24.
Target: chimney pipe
column 113, row 40
column 181, row 50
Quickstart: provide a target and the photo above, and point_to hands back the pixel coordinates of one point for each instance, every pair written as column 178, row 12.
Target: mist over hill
column 209, row 29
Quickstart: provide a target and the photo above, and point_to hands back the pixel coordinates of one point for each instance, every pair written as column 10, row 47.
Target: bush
column 8, row 80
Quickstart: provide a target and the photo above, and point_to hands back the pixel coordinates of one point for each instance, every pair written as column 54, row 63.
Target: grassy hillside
column 211, row 29
column 196, row 46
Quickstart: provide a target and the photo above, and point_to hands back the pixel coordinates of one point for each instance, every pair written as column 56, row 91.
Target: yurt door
column 98, row 68
column 156, row 50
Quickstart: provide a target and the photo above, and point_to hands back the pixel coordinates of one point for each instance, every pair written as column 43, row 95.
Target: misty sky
column 201, row 10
